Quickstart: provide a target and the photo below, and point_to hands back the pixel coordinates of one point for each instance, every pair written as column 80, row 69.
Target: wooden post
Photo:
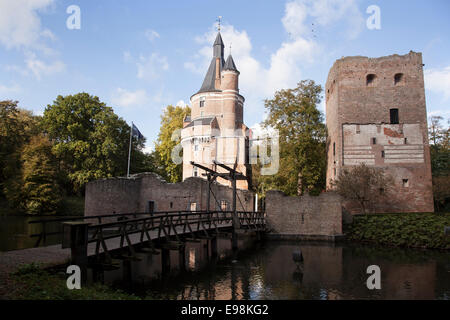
column 214, row 247
column 182, row 257
column 165, row 260
column 235, row 221
column 75, row 237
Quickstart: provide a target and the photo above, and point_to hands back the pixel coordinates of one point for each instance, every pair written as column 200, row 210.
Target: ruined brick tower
column 376, row 114
column 215, row 129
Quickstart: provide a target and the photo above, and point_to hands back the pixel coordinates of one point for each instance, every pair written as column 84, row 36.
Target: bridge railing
column 168, row 219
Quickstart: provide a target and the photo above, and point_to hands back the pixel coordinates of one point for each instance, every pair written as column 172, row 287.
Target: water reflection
column 270, row 272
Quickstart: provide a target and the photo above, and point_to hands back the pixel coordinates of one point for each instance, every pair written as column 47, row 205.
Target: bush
column 416, row 230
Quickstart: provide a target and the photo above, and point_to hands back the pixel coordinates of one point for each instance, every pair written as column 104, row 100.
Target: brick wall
column 128, row 195
column 305, row 215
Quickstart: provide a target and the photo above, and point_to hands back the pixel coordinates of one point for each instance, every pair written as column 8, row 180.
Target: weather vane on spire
column 230, row 47
column 219, row 19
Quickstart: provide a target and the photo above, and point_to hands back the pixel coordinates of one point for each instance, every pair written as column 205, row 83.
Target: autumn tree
column 363, row 184
column 39, row 190
column 302, row 138
column 440, row 162
column 168, row 138
column 17, row 126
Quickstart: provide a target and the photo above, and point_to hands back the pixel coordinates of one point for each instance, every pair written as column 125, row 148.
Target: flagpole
column 129, row 150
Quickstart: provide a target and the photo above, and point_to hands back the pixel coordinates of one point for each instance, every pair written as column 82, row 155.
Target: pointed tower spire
column 218, row 47
column 229, row 64
column 212, row 78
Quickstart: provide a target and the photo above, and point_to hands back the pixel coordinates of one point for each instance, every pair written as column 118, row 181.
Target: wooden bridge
column 95, row 240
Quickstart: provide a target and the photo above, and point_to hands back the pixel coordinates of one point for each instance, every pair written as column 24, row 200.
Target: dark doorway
column 394, row 116
column 150, row 207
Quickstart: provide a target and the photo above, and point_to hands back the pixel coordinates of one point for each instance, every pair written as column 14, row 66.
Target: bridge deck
column 55, row 255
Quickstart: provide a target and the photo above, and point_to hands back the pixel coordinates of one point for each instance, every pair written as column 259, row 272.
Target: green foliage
column 440, row 162
column 418, row 230
column 30, row 282
column 363, row 184
column 171, row 121
column 41, row 193
column 90, row 140
column 294, row 113
column 16, row 128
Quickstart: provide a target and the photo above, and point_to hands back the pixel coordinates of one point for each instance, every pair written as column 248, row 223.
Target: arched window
column 398, row 78
column 370, row 79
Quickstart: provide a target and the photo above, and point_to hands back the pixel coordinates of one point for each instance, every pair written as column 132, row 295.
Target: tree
column 302, row 132
column 17, row 126
column 171, row 120
column 90, row 140
column 40, row 192
column 440, row 162
column 363, row 184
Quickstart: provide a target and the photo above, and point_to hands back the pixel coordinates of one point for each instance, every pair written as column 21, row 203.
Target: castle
column 215, row 130
column 376, row 114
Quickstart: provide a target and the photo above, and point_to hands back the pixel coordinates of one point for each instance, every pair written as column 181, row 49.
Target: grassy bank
column 30, row 282
column 414, row 230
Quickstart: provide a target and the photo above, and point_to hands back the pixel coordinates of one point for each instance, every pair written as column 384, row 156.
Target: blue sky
column 139, row 56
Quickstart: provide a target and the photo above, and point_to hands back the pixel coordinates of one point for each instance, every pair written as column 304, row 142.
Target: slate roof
column 229, row 64
column 209, row 81
column 201, row 122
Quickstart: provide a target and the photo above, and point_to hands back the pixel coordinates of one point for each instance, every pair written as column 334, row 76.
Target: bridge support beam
column 165, row 260
column 214, row 247
column 182, row 257
column 75, row 237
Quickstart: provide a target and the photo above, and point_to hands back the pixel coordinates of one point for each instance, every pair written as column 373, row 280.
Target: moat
column 267, row 271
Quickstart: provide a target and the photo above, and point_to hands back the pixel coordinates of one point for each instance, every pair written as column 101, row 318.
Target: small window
column 382, row 154
column 223, row 205
column 405, row 141
column 334, row 148
column 202, row 102
column 374, row 140
column 381, row 190
column 405, row 183
column 335, row 172
column 193, row 206
column 195, row 172
column 171, row 205
column 398, row 78
column 370, row 79
column 394, row 116
column 195, row 147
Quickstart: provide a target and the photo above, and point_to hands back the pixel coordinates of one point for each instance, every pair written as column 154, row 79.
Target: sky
column 140, row 56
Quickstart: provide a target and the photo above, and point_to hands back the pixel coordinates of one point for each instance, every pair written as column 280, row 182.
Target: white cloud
column 5, row 91
column 152, row 66
column 20, row 25
column 182, row 104
column 286, row 64
column 151, row 35
column 323, row 13
column 40, row 68
column 126, row 98
column 438, row 81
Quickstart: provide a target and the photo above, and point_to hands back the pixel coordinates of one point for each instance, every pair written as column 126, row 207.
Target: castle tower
column 215, row 129
column 376, row 114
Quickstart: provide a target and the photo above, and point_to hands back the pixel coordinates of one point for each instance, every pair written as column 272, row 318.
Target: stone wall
column 360, row 127
column 129, row 195
column 314, row 217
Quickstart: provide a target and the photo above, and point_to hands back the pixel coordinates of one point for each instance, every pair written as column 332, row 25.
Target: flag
column 136, row 133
